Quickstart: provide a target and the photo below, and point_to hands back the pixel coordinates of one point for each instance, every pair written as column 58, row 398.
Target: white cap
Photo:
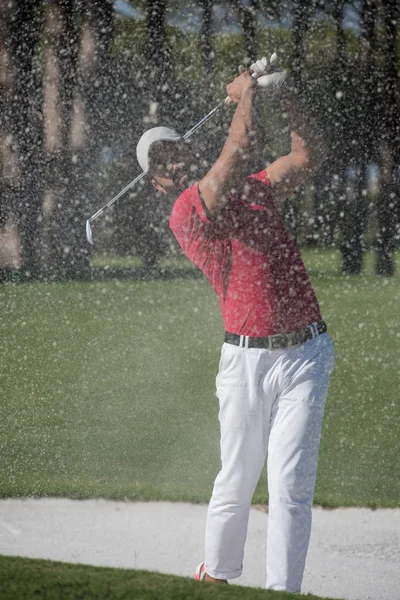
column 156, row 134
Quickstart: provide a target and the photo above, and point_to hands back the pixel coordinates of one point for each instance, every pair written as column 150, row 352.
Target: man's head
column 167, row 158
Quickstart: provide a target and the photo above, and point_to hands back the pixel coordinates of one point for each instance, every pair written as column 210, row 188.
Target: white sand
column 354, row 553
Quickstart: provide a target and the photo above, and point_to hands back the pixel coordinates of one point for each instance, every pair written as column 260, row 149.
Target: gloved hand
column 270, row 78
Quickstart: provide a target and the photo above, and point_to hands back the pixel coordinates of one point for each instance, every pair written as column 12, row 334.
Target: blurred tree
column 352, row 159
column 157, row 50
column 60, row 76
column 207, row 48
column 78, row 38
column 247, row 16
column 389, row 141
column 83, row 97
column 302, row 13
column 8, row 164
column 364, row 117
column 158, row 89
column 22, row 123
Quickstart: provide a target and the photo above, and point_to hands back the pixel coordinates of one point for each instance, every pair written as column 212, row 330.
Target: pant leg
column 294, row 440
column 244, row 420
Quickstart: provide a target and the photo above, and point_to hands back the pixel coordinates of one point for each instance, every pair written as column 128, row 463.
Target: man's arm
column 306, row 156
column 224, row 175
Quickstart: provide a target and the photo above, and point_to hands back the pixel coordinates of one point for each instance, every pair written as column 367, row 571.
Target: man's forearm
column 238, row 141
column 228, row 169
column 307, row 153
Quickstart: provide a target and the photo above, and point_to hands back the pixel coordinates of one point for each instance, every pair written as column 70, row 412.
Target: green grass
column 108, row 389
column 23, row 579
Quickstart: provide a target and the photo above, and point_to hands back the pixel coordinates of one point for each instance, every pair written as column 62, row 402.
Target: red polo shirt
column 249, row 258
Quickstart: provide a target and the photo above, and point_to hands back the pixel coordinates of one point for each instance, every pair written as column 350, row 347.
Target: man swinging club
column 277, row 358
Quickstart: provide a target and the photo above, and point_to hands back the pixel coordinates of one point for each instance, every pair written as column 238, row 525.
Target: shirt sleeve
column 249, row 217
column 192, row 196
column 187, row 217
column 199, row 205
column 239, row 217
column 262, row 176
column 255, row 199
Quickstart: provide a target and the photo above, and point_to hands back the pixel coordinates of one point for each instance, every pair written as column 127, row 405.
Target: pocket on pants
column 307, row 371
column 237, row 386
column 227, row 363
column 238, row 408
column 235, row 367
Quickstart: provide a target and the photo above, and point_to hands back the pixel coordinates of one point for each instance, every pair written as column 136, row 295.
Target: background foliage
column 80, row 83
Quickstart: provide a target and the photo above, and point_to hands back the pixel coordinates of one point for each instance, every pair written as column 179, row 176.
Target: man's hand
column 240, row 86
column 270, row 79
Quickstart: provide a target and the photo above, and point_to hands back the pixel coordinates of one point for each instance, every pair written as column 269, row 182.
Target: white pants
column 271, row 402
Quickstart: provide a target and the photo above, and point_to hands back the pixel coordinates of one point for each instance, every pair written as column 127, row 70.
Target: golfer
column 277, row 357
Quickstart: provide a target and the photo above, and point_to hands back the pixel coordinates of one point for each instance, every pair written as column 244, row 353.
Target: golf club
column 89, row 233
column 89, row 222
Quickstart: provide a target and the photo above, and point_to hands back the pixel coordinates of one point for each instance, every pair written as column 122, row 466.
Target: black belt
column 282, row 340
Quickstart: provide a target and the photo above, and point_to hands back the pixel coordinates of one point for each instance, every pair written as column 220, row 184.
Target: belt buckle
column 308, row 333
column 277, row 342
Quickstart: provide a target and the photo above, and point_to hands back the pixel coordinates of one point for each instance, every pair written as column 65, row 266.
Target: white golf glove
column 270, row 78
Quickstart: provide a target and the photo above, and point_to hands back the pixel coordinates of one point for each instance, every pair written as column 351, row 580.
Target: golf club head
column 89, row 235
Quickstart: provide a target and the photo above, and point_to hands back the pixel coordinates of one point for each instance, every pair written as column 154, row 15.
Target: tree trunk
column 158, row 54
column 353, row 219
column 8, row 155
column 75, row 56
column 325, row 205
column 207, row 47
column 24, row 125
column 388, row 205
column 387, row 218
column 302, row 19
column 302, row 16
column 60, row 66
column 161, row 92
column 368, row 83
column 89, row 113
column 247, row 14
column 349, row 164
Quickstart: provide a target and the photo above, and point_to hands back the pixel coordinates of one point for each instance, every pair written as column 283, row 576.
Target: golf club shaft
column 272, row 61
column 204, row 120
column 139, row 177
column 121, row 193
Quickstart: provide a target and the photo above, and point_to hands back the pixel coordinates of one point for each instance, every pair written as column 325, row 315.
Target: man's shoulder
column 189, row 206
